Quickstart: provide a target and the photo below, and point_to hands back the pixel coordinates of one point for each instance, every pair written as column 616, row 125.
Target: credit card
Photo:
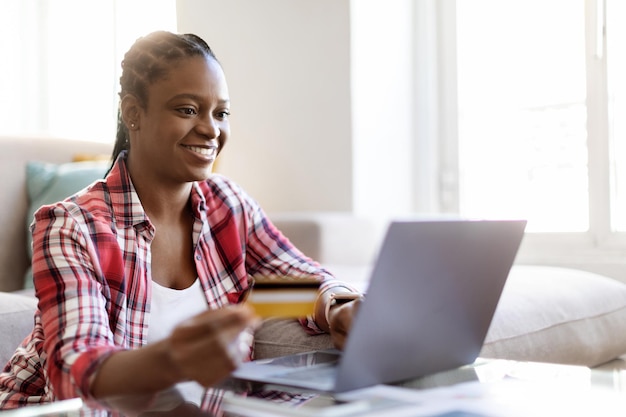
column 283, row 296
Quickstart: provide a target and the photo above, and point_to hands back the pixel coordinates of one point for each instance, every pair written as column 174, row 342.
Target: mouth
column 207, row 152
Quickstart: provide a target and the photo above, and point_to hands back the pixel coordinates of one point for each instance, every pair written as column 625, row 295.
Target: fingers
column 341, row 322
column 230, row 317
column 209, row 346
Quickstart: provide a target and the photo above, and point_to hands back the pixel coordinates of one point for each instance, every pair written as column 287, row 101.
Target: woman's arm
column 203, row 349
column 266, row 251
column 272, row 253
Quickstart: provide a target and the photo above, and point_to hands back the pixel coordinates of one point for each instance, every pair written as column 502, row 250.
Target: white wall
column 321, row 100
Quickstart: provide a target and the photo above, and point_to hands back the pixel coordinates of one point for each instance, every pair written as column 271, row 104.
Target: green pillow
column 48, row 183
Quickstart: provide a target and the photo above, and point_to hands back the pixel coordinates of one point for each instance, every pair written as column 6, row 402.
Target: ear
column 131, row 110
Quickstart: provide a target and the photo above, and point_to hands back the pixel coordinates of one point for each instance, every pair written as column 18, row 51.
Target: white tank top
column 169, row 307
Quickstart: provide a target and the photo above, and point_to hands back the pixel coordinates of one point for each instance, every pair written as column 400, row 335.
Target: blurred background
column 380, row 108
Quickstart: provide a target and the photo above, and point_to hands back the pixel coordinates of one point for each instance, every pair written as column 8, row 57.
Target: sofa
column 545, row 314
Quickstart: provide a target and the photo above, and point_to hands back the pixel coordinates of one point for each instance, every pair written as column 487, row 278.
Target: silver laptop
column 431, row 297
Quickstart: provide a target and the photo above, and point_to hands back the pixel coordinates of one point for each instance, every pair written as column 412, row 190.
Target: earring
column 132, row 125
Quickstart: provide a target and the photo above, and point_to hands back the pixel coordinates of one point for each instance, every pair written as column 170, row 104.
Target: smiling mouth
column 210, row 152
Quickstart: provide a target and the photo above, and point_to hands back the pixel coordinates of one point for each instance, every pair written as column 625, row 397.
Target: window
column 522, row 112
column 61, row 68
column 540, row 128
column 616, row 83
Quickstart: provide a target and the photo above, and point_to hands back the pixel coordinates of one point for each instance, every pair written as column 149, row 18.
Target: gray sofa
column 545, row 314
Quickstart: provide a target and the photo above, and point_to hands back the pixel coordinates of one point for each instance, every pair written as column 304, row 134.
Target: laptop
column 430, row 300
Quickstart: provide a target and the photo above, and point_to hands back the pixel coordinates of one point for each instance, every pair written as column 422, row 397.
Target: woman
column 125, row 269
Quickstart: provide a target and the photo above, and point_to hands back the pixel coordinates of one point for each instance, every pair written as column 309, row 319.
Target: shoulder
column 88, row 205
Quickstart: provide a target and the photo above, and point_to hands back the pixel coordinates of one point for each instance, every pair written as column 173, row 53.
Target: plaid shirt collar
column 121, row 189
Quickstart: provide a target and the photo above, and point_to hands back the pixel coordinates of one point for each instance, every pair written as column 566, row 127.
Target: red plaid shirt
column 91, row 269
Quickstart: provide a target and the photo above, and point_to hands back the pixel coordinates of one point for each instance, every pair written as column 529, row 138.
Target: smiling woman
column 175, row 131
column 160, row 230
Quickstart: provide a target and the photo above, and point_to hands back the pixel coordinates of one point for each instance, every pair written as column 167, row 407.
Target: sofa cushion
column 561, row 315
column 47, row 183
column 16, row 322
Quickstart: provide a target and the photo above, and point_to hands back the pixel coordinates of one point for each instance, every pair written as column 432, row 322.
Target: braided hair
column 148, row 61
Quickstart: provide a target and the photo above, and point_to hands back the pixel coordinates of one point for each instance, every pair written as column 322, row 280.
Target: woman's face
column 184, row 123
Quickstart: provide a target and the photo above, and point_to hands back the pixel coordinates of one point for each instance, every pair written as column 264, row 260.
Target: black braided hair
column 147, row 61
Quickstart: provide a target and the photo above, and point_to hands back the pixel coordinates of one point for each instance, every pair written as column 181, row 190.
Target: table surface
column 548, row 382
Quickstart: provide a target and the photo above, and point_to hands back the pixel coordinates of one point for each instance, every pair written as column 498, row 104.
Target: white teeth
column 202, row 151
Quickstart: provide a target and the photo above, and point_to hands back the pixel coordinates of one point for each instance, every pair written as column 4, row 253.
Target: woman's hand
column 340, row 319
column 206, row 348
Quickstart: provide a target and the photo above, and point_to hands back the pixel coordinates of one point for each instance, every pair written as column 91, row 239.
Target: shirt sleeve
column 75, row 321
column 269, row 252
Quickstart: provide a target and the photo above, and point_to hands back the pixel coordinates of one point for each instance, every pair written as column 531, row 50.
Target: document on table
column 508, row 398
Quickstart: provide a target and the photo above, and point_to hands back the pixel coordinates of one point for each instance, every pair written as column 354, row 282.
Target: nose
column 208, row 126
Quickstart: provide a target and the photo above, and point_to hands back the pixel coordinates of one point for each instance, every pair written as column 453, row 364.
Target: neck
column 164, row 207
column 161, row 200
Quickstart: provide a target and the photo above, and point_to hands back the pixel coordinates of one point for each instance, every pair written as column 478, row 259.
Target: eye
column 187, row 111
column 223, row 114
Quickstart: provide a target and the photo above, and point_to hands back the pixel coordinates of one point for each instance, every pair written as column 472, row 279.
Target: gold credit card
column 283, row 296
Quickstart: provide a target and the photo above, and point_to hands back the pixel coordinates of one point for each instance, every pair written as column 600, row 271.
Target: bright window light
column 64, row 67
column 522, row 112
